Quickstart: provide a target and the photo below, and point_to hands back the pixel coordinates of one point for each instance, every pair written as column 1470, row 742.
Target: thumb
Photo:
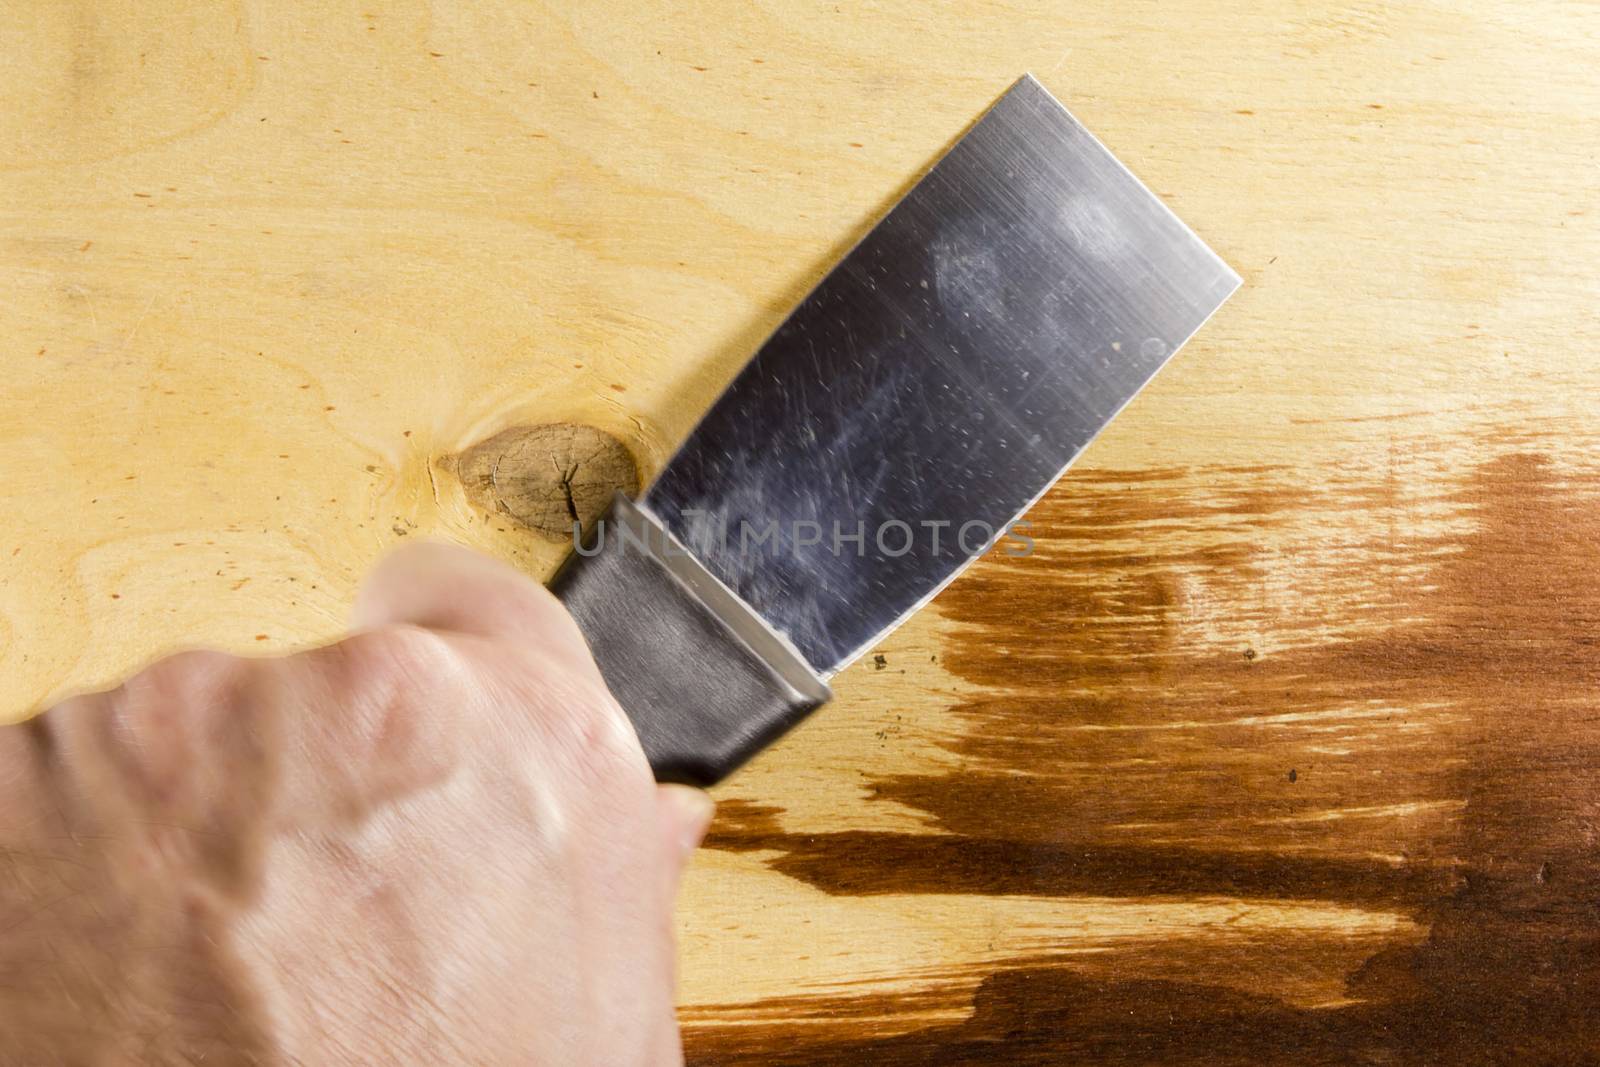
column 683, row 813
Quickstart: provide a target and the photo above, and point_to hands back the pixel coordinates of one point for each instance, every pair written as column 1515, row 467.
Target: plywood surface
column 1283, row 744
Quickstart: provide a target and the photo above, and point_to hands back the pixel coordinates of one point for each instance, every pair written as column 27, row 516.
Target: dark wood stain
column 864, row 863
column 1421, row 736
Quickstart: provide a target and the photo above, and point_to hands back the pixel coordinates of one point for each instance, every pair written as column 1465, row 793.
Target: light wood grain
column 266, row 264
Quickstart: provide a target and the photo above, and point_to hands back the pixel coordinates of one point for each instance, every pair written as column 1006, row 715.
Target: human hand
column 435, row 842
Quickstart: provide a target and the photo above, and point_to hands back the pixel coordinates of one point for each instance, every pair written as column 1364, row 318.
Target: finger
column 683, row 814
column 455, row 591
column 445, row 587
column 633, row 838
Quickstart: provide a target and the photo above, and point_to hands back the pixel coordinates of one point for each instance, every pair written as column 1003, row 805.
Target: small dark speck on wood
column 547, row 477
column 879, row 662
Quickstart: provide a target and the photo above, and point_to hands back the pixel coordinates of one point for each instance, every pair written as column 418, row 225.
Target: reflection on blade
column 943, row 375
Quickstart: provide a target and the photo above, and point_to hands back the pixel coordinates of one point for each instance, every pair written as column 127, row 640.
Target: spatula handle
column 705, row 681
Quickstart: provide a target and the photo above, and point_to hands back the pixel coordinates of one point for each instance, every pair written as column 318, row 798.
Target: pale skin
column 436, row 841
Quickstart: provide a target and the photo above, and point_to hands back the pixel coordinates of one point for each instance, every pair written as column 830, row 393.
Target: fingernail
column 692, row 812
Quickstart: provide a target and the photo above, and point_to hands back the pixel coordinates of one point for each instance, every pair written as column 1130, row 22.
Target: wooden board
column 1283, row 743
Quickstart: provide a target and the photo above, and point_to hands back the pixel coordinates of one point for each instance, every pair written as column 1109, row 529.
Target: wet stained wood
column 1282, row 744
column 1428, row 753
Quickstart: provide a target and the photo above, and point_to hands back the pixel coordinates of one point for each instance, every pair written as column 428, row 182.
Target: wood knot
column 549, row 476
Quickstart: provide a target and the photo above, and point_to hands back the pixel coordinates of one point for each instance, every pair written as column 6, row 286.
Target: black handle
column 705, row 681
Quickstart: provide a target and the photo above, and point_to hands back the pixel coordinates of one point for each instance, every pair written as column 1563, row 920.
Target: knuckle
column 178, row 729
column 590, row 730
column 397, row 694
column 196, row 679
column 396, row 665
column 189, row 700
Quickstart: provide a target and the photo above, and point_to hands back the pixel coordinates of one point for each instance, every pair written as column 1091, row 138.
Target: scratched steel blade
column 948, row 370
